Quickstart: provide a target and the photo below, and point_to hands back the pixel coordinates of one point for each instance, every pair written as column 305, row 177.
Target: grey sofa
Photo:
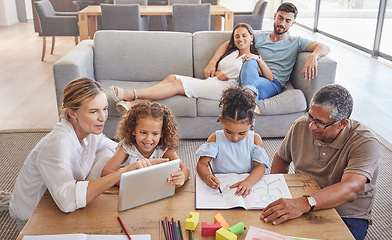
column 137, row 59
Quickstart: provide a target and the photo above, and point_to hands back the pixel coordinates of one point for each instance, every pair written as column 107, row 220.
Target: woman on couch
column 241, row 48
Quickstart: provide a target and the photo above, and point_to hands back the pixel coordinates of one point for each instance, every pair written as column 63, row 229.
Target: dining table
column 87, row 17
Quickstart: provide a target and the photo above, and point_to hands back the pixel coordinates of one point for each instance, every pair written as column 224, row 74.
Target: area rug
column 15, row 146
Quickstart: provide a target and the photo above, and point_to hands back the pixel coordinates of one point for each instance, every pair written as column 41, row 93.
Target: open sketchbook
column 82, row 236
column 270, row 188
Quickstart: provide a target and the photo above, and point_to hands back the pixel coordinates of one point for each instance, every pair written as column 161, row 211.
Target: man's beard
column 280, row 33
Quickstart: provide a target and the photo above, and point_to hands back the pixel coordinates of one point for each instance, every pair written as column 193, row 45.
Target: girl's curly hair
column 237, row 104
column 143, row 109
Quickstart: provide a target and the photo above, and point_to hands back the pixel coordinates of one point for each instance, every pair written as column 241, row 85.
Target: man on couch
column 341, row 155
column 279, row 50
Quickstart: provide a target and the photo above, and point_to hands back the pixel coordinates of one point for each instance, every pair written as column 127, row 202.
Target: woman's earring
column 75, row 120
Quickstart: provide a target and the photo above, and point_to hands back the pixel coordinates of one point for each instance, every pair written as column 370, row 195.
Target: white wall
column 29, row 10
column 8, row 14
column 238, row 5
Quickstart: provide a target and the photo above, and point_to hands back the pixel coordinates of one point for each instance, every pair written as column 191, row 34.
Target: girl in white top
column 241, row 46
column 147, row 131
column 66, row 161
column 235, row 149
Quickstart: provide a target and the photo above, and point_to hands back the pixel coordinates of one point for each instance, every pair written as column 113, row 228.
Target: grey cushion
column 141, row 56
column 204, row 47
column 181, row 106
column 289, row 101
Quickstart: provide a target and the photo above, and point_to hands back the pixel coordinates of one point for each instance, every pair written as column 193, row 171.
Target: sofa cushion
column 204, row 47
column 289, row 101
column 141, row 56
column 181, row 106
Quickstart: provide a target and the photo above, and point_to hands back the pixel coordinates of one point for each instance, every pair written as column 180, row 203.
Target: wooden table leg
column 229, row 20
column 92, row 25
column 83, row 26
column 218, row 23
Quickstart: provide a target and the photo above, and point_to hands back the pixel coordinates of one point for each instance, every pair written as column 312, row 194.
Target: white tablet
column 146, row 185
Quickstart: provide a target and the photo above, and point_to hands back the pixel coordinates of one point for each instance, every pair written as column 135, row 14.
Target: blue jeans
column 358, row 227
column 250, row 79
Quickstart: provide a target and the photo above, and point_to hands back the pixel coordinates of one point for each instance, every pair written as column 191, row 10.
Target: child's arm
column 203, row 169
column 205, row 174
column 178, row 178
column 114, row 163
column 244, row 187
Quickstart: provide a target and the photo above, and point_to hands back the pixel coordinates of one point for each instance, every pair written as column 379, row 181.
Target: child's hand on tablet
column 142, row 163
column 177, row 178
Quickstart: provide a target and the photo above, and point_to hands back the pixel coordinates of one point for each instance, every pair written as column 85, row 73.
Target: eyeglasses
column 317, row 122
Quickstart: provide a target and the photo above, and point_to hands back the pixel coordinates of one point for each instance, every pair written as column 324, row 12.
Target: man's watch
column 311, row 201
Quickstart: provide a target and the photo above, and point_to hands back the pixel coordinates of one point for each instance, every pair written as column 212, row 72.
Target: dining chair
column 255, row 20
column 171, row 2
column 55, row 24
column 121, row 17
column 144, row 21
column 158, row 23
column 169, row 19
column 191, row 17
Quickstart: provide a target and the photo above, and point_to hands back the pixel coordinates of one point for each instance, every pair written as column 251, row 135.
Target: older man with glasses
column 341, row 154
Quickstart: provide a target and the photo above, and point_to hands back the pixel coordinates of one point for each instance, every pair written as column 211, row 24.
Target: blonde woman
column 67, row 160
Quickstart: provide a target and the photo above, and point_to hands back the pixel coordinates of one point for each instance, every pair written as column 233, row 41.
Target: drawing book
column 81, row 236
column 270, row 188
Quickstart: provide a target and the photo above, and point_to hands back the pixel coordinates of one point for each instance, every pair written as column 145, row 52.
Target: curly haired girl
column 147, row 131
column 235, row 149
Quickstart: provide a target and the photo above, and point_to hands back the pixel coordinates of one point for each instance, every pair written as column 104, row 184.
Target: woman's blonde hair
column 143, row 109
column 76, row 92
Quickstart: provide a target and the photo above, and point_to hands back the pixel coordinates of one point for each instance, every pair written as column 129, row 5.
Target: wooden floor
column 28, row 96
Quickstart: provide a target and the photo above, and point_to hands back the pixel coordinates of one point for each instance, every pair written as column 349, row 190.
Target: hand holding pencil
column 213, row 181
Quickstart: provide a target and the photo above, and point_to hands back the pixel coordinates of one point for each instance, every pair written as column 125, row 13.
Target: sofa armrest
column 79, row 62
column 325, row 75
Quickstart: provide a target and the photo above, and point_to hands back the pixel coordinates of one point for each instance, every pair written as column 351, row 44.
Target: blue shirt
column 280, row 56
column 229, row 157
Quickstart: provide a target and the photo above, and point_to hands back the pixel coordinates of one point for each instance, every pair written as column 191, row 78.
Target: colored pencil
column 164, row 229
column 175, row 230
column 212, row 172
column 168, row 228
column 179, row 229
column 123, row 227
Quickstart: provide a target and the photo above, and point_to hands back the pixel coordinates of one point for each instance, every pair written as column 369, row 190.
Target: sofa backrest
column 204, row 46
column 141, row 56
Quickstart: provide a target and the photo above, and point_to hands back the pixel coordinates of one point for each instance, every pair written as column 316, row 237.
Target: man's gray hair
column 336, row 98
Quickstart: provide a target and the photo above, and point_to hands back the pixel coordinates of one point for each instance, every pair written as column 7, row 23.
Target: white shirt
column 56, row 163
column 231, row 65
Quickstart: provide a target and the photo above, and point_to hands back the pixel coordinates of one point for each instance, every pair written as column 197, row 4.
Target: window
column 353, row 22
